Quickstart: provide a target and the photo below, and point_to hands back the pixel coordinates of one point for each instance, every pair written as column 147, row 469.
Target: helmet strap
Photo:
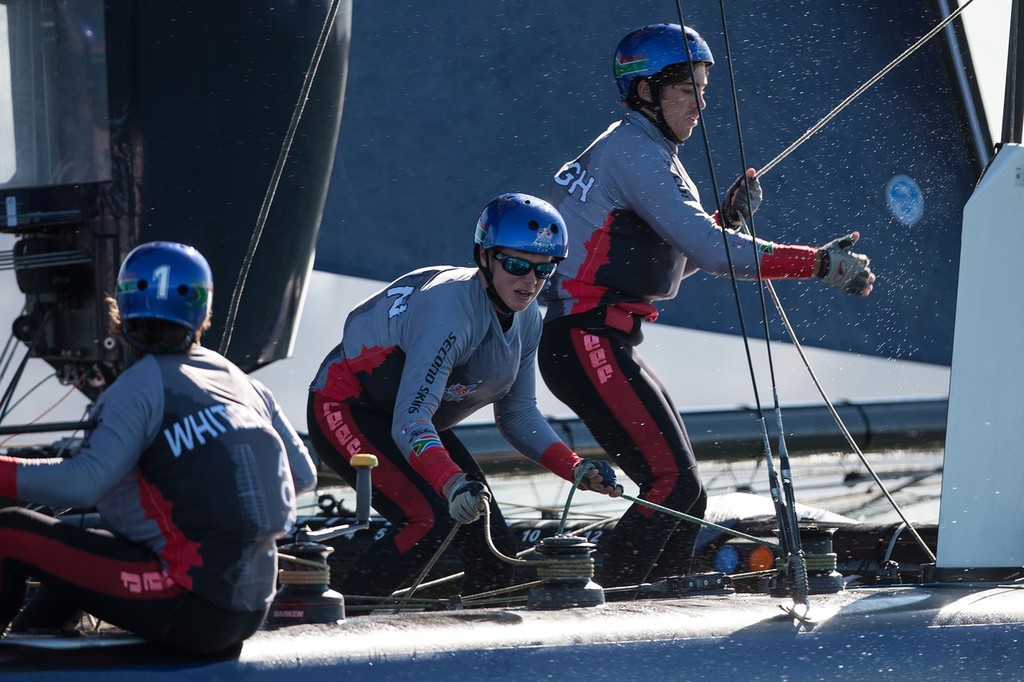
column 504, row 312
column 656, row 114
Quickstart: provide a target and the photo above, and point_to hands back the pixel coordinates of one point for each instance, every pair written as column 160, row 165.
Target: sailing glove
column 842, row 269
column 597, row 475
column 738, row 205
column 467, row 499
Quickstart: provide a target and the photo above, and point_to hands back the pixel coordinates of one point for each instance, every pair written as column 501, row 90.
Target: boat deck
column 945, row 632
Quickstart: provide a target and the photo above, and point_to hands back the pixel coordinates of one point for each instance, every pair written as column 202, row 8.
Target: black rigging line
column 1013, row 111
column 8, row 394
column 781, row 489
column 268, row 198
column 766, row 285
column 785, row 508
column 798, row 565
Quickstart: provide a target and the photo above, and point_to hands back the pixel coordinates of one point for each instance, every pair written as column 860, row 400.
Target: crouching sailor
column 423, row 354
column 191, row 466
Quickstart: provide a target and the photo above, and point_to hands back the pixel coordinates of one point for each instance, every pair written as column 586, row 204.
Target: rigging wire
column 782, row 498
column 29, row 392
column 73, row 389
column 787, row 518
column 839, row 420
column 863, row 88
column 767, row 285
column 6, row 357
column 430, row 564
column 798, row 564
column 8, row 394
column 268, row 198
column 404, row 596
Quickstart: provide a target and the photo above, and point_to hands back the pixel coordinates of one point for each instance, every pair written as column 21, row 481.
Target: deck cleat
column 712, row 582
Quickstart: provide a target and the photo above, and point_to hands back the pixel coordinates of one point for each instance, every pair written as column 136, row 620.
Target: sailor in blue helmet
column 637, row 229
column 191, row 466
column 418, row 357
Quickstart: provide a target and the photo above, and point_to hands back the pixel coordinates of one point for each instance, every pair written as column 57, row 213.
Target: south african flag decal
column 425, row 442
column 625, row 66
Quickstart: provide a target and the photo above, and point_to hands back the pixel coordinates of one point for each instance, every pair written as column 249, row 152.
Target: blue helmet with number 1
column 165, row 281
column 525, row 223
column 648, row 50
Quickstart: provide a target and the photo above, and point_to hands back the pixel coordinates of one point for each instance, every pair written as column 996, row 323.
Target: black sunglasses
column 520, row 266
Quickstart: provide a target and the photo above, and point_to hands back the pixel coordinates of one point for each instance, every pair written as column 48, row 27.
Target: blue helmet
column 648, row 50
column 523, row 222
column 165, row 281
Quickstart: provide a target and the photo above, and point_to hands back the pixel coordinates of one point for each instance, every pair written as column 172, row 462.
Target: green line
column 702, row 522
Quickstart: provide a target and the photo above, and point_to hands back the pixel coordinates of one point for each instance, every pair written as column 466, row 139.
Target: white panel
column 981, row 517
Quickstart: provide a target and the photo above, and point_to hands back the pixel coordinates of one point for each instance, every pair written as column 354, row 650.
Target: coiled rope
column 314, row 573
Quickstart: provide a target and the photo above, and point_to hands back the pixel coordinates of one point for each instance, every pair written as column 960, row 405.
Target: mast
column 1013, row 110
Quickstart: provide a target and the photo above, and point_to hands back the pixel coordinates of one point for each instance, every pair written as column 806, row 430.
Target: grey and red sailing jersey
column 429, row 349
column 193, row 459
column 636, row 227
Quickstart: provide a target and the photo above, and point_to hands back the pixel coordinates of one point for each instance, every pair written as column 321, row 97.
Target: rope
column 754, row 574
column 577, row 477
column 546, row 568
column 767, row 285
column 315, row 573
column 892, row 543
column 839, row 421
column 702, row 522
column 822, row 563
column 566, row 568
column 268, row 198
column 501, row 591
column 781, row 482
column 770, row 288
column 304, row 577
column 787, row 524
column 520, row 554
column 8, row 395
column 379, row 603
column 430, row 565
column 860, row 91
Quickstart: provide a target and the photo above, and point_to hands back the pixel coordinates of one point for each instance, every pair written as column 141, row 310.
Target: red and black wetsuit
column 194, row 470
column 636, row 229
column 417, row 358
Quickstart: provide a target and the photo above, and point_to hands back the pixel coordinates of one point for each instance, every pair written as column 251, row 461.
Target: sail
column 448, row 106
column 125, row 122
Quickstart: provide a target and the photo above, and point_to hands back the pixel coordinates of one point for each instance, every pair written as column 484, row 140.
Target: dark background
column 449, row 104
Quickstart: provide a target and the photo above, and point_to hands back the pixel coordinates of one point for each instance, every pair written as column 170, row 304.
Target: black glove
column 738, row 206
column 842, row 269
column 604, row 483
column 466, row 499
